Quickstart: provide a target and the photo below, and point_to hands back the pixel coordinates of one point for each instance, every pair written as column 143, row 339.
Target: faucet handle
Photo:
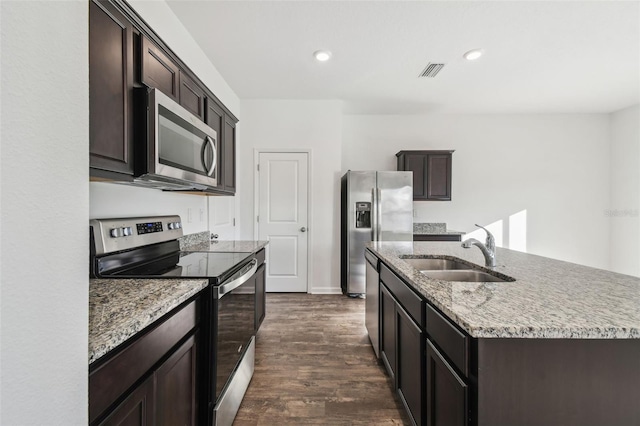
column 491, row 241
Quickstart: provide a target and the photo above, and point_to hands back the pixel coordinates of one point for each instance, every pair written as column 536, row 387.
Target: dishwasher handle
column 245, row 274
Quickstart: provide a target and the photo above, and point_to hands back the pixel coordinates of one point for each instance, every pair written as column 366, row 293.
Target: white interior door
column 283, row 218
column 222, row 217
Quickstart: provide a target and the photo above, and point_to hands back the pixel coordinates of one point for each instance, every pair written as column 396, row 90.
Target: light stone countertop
column 433, row 229
column 237, row 246
column 549, row 299
column 120, row 308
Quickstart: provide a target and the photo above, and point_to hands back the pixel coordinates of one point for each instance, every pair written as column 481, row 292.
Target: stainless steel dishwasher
column 372, row 303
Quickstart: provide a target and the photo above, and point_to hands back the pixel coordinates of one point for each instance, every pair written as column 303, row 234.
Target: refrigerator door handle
column 379, row 213
column 374, row 214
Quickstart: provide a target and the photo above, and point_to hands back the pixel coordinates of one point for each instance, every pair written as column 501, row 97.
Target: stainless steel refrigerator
column 376, row 206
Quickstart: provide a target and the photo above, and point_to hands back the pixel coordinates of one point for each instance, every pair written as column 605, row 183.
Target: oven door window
column 182, row 145
column 235, row 327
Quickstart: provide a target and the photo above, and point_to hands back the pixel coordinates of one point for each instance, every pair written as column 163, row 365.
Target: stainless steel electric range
column 148, row 247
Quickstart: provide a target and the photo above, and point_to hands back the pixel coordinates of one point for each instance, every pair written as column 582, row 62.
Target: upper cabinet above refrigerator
column 431, row 173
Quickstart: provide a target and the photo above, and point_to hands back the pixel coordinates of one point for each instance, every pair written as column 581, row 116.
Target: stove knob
column 126, row 231
column 171, row 225
column 178, row 225
column 116, row 232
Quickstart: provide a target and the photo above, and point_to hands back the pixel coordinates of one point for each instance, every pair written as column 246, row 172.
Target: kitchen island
column 559, row 345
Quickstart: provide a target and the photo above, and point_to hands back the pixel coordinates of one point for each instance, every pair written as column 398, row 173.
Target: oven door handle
column 247, row 272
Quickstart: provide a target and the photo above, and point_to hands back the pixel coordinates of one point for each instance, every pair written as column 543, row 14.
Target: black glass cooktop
column 215, row 266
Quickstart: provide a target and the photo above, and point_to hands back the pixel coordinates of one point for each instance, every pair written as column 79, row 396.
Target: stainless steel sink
column 468, row 275
column 436, row 264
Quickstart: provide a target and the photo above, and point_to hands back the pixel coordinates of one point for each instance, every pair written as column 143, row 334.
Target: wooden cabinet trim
column 412, row 303
column 458, row 403
column 453, row 342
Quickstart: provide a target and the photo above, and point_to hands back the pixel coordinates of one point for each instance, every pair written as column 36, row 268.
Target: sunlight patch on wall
column 518, row 231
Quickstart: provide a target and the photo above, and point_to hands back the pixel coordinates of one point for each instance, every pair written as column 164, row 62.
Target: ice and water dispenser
column 363, row 214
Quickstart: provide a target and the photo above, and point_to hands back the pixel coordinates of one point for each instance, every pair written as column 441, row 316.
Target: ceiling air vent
column 431, row 70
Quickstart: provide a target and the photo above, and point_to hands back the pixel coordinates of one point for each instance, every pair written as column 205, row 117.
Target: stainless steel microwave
column 181, row 151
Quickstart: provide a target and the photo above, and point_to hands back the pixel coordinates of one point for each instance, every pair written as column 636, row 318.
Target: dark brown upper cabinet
column 191, row 96
column 125, row 55
column 229, row 152
column 159, row 70
column 215, row 120
column 431, row 173
column 111, row 79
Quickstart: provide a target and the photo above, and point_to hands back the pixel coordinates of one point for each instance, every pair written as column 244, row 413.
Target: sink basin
column 436, row 264
column 468, row 275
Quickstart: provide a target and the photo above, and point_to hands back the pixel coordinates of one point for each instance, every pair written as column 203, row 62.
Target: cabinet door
column 110, row 89
column 229, row 152
column 159, row 70
column 136, row 410
column 417, row 163
column 388, row 331
column 409, row 372
column 175, row 385
column 447, row 394
column 438, row 180
column 191, row 96
column 215, row 119
column 260, row 296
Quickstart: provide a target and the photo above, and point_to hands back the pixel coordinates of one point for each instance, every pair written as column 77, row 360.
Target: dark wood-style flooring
column 315, row 366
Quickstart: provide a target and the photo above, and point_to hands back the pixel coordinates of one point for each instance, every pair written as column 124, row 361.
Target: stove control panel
column 149, row 227
column 111, row 235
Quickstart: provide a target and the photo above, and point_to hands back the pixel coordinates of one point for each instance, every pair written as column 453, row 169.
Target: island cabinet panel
column 447, row 395
column 431, row 173
column 111, row 80
column 402, row 341
column 409, row 372
column 191, row 96
column 388, row 331
column 587, row 382
column 159, row 70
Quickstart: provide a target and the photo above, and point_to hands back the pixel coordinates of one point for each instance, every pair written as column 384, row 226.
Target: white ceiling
column 540, row 57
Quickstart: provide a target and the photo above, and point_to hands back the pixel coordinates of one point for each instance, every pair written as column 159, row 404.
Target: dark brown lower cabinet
column 138, row 409
column 260, row 296
column 409, row 371
column 447, row 395
column 388, row 331
column 176, row 387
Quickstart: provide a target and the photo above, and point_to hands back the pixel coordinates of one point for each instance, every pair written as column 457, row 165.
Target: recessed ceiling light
column 322, row 55
column 474, row 54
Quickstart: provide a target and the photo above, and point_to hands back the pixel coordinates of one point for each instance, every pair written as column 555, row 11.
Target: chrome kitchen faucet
column 488, row 249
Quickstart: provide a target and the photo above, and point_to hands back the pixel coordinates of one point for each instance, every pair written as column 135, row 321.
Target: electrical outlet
column 201, row 215
column 189, row 215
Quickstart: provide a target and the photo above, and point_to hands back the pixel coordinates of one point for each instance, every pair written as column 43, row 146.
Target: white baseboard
column 325, row 290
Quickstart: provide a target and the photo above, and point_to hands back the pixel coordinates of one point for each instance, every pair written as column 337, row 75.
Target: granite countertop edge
column 121, row 308
column 483, row 322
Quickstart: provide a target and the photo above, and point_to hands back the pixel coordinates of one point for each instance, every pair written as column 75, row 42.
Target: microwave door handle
column 215, row 155
column 208, row 142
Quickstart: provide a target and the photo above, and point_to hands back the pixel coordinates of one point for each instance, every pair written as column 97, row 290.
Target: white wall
column 624, row 210
column 114, row 200
column 556, row 167
column 314, row 125
column 110, row 200
column 45, row 206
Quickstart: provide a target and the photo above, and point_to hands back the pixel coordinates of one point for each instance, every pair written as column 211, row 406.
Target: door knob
column 303, row 229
